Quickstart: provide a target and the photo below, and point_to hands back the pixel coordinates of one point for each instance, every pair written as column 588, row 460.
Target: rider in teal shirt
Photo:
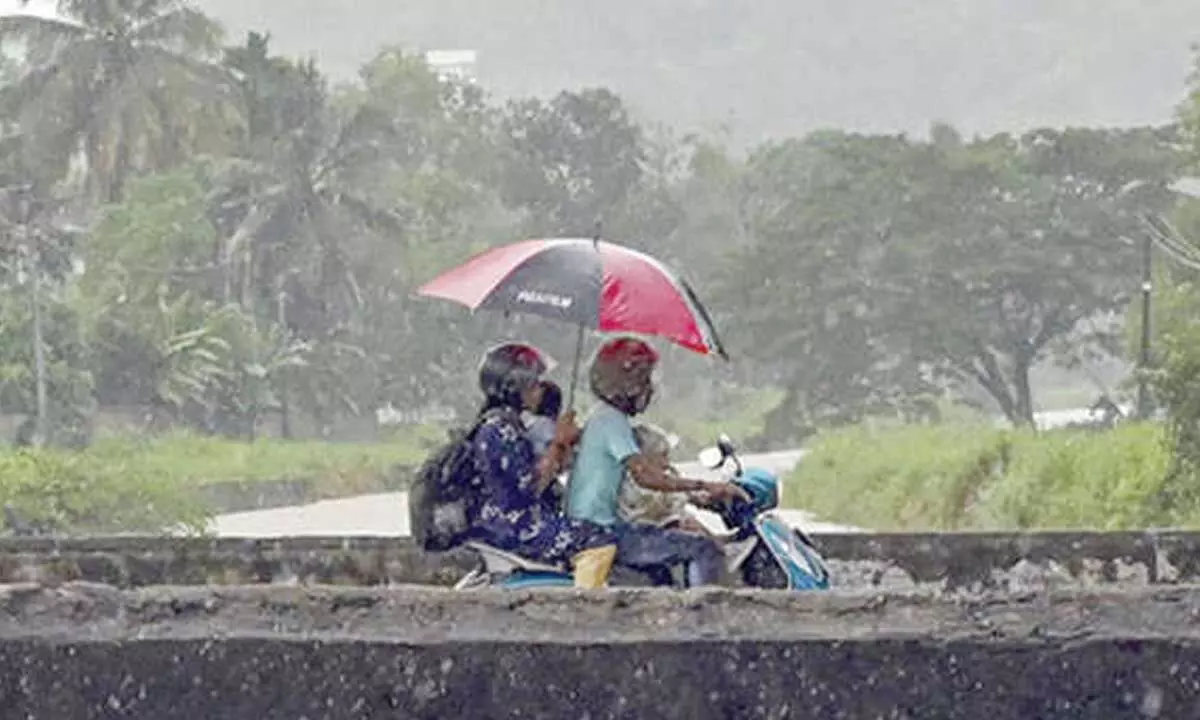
column 607, row 442
column 621, row 379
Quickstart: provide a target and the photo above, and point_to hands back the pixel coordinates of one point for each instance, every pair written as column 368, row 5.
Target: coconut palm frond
column 212, row 81
column 182, row 28
column 36, row 31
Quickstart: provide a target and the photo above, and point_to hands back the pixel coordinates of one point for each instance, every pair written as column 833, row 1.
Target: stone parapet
column 260, row 653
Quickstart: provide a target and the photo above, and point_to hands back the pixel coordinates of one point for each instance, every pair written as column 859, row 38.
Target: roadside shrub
column 1079, row 479
column 898, row 477
column 946, row 477
column 153, row 485
column 190, row 460
column 78, row 493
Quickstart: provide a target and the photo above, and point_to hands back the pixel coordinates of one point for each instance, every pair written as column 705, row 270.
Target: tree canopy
column 238, row 237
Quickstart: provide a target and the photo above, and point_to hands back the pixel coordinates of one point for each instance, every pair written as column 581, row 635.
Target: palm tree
column 297, row 226
column 121, row 84
column 292, row 193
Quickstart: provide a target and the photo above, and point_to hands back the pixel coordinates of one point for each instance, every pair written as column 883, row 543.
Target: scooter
column 772, row 554
column 762, row 549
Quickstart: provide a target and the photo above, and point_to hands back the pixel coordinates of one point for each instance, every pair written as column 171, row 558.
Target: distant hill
column 781, row 67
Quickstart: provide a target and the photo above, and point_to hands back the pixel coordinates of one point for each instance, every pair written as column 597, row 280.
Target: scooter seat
column 721, row 533
column 502, row 562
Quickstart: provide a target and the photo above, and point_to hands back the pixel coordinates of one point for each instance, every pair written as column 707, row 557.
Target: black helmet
column 621, row 374
column 509, row 370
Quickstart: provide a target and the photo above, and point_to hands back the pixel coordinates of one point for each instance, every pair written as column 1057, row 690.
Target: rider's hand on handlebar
column 566, row 432
column 726, row 492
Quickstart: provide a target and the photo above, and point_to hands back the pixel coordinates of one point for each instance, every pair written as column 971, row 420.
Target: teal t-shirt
column 606, row 443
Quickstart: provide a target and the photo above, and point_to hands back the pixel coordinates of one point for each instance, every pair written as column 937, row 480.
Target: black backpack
column 437, row 499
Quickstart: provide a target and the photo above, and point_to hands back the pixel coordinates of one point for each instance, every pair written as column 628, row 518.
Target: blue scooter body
column 783, row 557
column 524, row 579
column 802, row 566
column 799, row 560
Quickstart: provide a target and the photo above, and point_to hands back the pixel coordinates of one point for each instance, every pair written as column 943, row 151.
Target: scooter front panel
column 804, row 567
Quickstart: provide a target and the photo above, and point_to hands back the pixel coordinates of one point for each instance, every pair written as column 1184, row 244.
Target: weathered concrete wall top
column 421, row 614
column 948, row 560
column 141, row 561
column 349, row 653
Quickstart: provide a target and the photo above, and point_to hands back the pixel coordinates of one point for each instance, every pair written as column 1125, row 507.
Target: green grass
column 146, row 485
column 190, row 460
column 973, row 476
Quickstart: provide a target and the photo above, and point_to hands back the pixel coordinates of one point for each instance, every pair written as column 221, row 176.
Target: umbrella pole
column 575, row 368
column 579, row 337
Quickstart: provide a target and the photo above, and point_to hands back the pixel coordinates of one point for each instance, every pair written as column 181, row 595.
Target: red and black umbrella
column 589, row 282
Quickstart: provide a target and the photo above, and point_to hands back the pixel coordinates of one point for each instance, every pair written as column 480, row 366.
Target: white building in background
column 1187, row 186
column 453, row 64
column 41, row 8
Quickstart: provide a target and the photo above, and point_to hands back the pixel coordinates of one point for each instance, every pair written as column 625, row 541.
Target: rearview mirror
column 711, row 457
column 725, row 445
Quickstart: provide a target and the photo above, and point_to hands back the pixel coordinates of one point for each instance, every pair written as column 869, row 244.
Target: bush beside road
column 131, row 485
column 978, row 477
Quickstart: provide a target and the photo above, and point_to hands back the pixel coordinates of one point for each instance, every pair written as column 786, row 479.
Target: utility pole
column 1189, row 187
column 39, row 352
column 1143, row 390
column 285, row 415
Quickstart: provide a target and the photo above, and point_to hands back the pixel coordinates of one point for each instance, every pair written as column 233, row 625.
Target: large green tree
column 440, row 178
column 159, row 331
column 1022, row 249
column 884, row 271
column 807, row 299
column 571, row 162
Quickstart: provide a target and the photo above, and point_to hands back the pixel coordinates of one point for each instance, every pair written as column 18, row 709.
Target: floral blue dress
column 507, row 512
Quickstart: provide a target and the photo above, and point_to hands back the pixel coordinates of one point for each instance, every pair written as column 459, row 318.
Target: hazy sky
column 1002, row 65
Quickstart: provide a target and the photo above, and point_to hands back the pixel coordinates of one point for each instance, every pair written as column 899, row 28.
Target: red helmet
column 622, row 374
column 509, row 370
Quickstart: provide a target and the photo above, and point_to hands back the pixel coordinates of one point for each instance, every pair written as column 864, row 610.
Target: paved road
column 387, row 514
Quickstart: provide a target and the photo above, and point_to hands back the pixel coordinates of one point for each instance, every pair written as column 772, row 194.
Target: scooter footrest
column 499, row 561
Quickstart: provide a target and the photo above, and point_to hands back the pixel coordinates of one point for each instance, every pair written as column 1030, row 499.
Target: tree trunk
column 122, row 162
column 1013, row 395
column 788, row 422
column 1022, row 394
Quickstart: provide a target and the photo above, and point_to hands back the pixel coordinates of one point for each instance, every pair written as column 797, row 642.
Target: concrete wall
column 948, row 560
column 142, row 561
column 261, row 653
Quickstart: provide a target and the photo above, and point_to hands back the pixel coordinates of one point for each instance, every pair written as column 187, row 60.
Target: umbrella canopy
column 585, row 281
